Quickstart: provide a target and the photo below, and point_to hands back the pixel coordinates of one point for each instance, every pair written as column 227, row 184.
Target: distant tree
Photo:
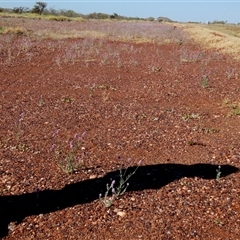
column 51, row 11
column 151, row 19
column 39, row 7
column 68, row 13
column 219, row 22
column 20, row 9
column 164, row 19
column 115, row 15
column 97, row 16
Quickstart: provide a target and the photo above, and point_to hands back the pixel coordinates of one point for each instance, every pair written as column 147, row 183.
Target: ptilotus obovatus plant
column 121, row 187
column 19, row 128
column 69, row 156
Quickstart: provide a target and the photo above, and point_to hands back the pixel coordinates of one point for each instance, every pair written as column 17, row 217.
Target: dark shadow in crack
column 15, row 208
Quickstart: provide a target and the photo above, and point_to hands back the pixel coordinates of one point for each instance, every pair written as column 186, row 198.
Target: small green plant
column 230, row 73
column 107, row 201
column 120, row 189
column 235, row 109
column 205, row 81
column 184, row 183
column 40, row 103
column 218, row 176
column 188, row 116
column 58, row 62
column 180, row 42
column 218, row 222
column 19, row 128
column 105, row 95
column 68, row 157
column 211, row 130
column 225, row 101
column 67, row 99
column 104, row 87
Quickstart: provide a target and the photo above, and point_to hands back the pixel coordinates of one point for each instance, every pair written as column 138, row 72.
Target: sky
column 181, row 11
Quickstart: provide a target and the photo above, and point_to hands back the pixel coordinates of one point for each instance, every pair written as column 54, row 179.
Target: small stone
column 11, row 226
column 93, row 177
column 121, row 214
column 116, row 210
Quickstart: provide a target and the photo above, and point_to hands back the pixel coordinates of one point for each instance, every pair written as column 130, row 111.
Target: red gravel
column 141, row 101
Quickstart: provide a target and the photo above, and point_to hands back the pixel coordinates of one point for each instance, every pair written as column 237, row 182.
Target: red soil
column 170, row 106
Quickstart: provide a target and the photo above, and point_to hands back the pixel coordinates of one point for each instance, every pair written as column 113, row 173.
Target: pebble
column 93, row 177
column 121, row 214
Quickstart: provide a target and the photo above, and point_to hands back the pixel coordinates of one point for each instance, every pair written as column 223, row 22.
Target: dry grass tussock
column 46, row 34
column 211, row 38
column 37, row 16
column 230, row 29
column 15, row 30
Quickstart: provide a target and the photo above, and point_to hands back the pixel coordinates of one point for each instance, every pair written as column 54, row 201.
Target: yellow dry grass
column 24, row 15
column 46, row 34
column 230, row 29
column 37, row 16
column 14, row 30
column 213, row 39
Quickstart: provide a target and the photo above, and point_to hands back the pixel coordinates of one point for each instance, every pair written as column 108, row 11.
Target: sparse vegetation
column 68, row 157
column 119, row 190
column 224, row 37
column 188, row 116
column 205, row 81
column 39, row 7
column 135, row 88
column 235, row 109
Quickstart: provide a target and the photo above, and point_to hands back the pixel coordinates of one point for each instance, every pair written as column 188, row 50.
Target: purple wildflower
column 56, row 133
column 76, row 136
column 52, row 147
column 113, row 182
column 84, row 134
column 71, row 144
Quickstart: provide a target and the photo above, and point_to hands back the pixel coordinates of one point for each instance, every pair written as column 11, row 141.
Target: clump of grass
column 225, row 101
column 58, row 18
column 104, row 87
column 211, row 130
column 68, row 156
column 14, row 30
column 41, row 102
column 205, row 81
column 234, row 106
column 19, row 128
column 235, row 109
column 188, row 116
column 120, row 189
column 67, row 99
column 218, row 222
column 230, row 73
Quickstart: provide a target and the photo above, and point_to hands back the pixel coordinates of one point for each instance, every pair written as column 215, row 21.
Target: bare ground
column 174, row 107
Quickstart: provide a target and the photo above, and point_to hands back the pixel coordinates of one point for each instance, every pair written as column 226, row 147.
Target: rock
column 121, row 214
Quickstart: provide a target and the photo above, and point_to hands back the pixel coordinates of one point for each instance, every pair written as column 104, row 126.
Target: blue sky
column 182, row 11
